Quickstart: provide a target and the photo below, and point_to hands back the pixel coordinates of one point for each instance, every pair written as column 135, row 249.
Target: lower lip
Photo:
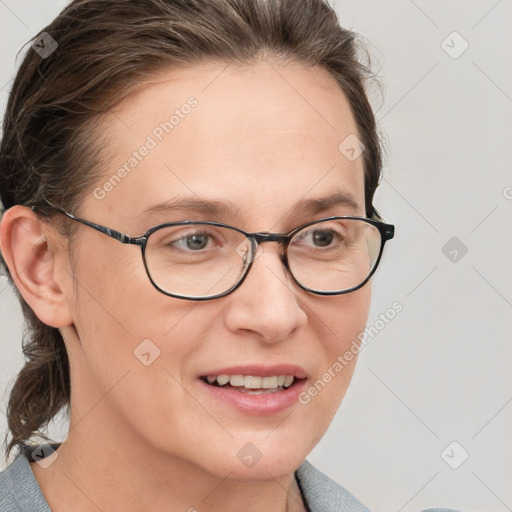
column 257, row 404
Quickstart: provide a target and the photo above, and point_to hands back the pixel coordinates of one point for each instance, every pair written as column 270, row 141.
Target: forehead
column 258, row 136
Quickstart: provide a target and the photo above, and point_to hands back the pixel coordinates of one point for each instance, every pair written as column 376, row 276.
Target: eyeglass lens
column 202, row 260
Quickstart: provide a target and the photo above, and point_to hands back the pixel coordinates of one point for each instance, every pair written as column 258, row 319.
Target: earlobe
column 32, row 254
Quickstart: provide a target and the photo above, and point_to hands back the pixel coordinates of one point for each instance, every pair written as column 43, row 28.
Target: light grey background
column 440, row 371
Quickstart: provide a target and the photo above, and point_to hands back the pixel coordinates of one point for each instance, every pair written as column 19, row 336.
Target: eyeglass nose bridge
column 261, row 237
column 265, row 236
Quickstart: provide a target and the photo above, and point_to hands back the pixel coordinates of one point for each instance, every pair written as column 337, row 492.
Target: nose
column 267, row 304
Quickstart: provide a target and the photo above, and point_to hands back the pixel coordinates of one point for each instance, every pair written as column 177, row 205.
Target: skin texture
column 262, row 138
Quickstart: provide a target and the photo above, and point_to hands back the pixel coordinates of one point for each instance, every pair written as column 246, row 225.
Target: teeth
column 223, row 379
column 236, row 380
column 270, row 382
column 253, row 382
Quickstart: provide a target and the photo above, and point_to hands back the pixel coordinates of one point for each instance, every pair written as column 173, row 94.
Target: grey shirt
column 20, row 492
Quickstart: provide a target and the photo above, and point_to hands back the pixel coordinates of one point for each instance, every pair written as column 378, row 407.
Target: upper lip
column 260, row 370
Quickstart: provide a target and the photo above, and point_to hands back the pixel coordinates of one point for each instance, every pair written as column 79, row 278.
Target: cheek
column 125, row 324
column 349, row 315
column 135, row 345
column 338, row 322
column 119, row 315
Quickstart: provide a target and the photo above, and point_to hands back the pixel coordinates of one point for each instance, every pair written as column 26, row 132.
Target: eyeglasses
column 208, row 260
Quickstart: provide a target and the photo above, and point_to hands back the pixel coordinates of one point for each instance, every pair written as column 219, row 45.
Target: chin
column 261, row 456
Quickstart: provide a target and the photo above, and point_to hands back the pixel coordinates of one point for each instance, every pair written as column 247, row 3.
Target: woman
column 231, row 144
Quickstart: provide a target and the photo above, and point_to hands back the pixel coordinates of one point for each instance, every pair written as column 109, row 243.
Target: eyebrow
column 227, row 208
column 313, row 206
column 213, row 208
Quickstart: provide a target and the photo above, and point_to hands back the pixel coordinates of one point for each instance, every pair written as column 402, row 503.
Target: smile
column 251, row 383
column 255, row 389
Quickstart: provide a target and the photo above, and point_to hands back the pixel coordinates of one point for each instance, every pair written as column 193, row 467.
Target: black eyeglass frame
column 387, row 232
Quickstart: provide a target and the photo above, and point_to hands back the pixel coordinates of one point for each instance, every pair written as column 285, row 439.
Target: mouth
column 251, row 384
column 255, row 389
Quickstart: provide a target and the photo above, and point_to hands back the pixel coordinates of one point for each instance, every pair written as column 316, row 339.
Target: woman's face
column 245, row 147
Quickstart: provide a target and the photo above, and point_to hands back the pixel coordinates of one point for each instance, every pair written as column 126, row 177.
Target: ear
column 33, row 254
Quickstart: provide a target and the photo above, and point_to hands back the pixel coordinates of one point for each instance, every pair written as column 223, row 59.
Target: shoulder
column 19, row 490
column 322, row 494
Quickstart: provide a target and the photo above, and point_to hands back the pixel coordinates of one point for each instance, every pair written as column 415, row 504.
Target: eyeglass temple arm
column 375, row 214
column 389, row 231
column 121, row 237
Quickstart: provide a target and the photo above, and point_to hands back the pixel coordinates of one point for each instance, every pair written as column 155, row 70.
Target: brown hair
column 106, row 49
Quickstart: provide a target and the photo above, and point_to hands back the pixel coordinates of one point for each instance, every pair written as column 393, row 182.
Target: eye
column 318, row 238
column 192, row 241
column 322, row 238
